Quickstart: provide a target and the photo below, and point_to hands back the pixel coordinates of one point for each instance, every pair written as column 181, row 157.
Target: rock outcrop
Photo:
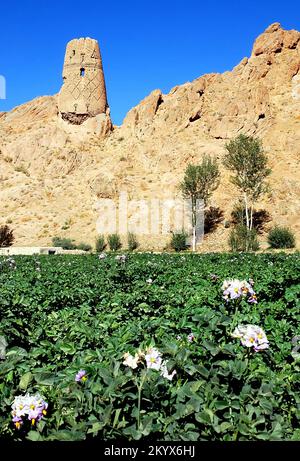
column 53, row 171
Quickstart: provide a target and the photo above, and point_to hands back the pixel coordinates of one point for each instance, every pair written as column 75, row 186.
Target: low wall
column 14, row 251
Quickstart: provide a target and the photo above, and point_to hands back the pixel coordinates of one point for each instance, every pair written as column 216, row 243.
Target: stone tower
column 83, row 93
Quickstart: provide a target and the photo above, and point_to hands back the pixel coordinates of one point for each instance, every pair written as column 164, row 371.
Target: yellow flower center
column 84, row 378
column 44, row 412
column 32, row 407
column 33, row 422
column 18, row 425
column 152, row 360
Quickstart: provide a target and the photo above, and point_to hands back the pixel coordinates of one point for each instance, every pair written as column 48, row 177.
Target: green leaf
column 25, row 380
column 205, row 417
column 44, row 378
column 34, row 436
column 67, row 436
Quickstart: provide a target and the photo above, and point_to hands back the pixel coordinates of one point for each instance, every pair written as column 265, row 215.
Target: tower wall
column 83, row 93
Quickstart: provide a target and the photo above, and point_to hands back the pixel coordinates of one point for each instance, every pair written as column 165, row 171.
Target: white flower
column 252, row 336
column 121, row 258
column 131, row 361
column 164, row 371
column 149, row 281
column 233, row 289
column 191, row 337
column 32, row 406
column 102, row 256
column 153, row 358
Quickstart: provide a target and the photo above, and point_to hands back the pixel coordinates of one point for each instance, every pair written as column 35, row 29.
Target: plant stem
column 235, row 314
column 140, row 388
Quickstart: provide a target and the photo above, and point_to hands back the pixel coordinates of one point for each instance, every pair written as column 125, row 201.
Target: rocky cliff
column 51, row 177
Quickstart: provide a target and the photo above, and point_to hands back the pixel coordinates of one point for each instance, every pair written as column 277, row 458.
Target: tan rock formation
column 52, row 176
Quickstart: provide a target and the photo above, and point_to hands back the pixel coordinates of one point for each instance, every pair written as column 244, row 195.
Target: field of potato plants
column 150, row 347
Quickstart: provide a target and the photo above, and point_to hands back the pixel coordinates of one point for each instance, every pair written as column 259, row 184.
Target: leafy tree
column 6, row 236
column 246, row 159
column 199, row 182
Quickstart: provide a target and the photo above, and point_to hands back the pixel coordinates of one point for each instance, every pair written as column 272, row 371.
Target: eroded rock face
column 274, row 39
column 52, row 170
column 83, row 94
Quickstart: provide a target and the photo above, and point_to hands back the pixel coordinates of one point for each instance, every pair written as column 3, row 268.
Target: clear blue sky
column 145, row 44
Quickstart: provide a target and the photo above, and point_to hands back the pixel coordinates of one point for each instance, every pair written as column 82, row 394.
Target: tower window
column 73, row 52
column 82, row 72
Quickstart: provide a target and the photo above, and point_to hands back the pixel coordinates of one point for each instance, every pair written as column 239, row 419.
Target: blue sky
column 144, row 44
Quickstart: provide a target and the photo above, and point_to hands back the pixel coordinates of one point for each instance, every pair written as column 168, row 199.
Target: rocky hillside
column 52, row 176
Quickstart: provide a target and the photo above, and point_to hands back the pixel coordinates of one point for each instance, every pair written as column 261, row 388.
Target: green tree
column 246, row 159
column 199, row 182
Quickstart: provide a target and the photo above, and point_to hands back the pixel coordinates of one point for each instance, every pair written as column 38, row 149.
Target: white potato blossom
column 31, row 406
column 252, row 336
column 165, row 373
column 130, row 360
column 153, row 359
column 234, row 289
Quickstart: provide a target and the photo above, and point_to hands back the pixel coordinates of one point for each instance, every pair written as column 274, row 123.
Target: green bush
column 100, row 243
column 84, row 246
column 132, row 241
column 65, row 243
column 281, row 237
column 243, row 239
column 178, row 241
column 114, row 242
column 6, row 236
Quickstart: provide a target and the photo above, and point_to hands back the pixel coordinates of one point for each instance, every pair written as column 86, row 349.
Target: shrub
column 260, row 217
column 132, row 241
column 281, row 237
column 6, row 236
column 84, row 246
column 243, row 239
column 100, row 243
column 114, row 242
column 65, row 243
column 178, row 241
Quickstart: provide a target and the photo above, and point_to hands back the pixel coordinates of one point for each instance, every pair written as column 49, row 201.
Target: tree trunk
column 246, row 209
column 251, row 217
column 194, row 238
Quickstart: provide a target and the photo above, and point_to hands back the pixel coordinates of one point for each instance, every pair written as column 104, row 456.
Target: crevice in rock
column 261, row 116
column 195, row 117
column 159, row 102
column 200, row 92
column 74, row 119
